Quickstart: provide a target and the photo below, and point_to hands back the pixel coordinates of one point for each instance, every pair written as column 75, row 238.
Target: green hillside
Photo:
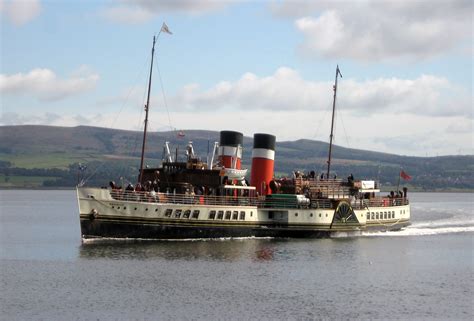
column 46, row 156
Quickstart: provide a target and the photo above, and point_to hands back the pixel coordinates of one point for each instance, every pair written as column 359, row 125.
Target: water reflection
column 210, row 250
column 228, row 250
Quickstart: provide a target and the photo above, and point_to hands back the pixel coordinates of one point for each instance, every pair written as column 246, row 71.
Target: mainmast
column 147, row 107
column 338, row 72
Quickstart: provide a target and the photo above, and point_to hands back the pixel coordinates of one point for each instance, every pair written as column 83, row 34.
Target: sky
column 249, row 66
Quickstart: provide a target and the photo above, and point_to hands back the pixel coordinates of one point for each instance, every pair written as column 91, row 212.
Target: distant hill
column 35, row 156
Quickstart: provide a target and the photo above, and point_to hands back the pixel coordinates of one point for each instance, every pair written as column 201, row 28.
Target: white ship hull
column 162, row 217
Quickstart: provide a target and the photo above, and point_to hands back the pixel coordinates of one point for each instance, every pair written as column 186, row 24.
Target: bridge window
column 177, row 213
column 235, row 215
column 368, row 215
column 242, row 215
column 186, row 213
column 220, row 215
column 168, row 212
column 227, row 215
column 195, row 214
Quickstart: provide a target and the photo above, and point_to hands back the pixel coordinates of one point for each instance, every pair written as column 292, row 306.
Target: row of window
column 181, row 214
column 136, row 208
column 380, row 215
column 234, row 215
column 272, row 215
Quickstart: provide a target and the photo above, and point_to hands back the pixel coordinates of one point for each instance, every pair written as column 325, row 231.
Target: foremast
column 338, row 72
column 165, row 29
column 147, row 107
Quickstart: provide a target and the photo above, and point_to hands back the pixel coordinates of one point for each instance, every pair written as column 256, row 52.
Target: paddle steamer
column 214, row 199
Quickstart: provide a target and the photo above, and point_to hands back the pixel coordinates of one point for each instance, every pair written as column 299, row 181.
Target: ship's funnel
column 230, row 149
column 263, row 156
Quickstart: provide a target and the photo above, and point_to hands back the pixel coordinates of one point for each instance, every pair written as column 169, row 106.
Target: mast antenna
column 338, row 72
column 147, row 107
column 165, row 29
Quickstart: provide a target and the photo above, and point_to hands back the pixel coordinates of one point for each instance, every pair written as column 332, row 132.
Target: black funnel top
column 265, row 141
column 231, row 138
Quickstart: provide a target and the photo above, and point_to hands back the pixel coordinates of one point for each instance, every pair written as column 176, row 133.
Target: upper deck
column 233, row 198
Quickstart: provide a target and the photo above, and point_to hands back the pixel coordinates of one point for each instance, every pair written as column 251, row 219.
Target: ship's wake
column 461, row 224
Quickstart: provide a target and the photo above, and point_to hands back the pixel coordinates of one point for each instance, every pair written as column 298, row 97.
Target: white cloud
column 20, row 12
column 45, row 85
column 380, row 30
column 286, row 90
column 140, row 11
column 128, row 14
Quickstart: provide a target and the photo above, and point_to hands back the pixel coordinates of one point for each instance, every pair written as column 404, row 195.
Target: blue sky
column 252, row 66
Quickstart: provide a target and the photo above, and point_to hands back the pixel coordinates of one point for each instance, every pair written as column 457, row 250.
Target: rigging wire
column 127, row 97
column 321, row 120
column 164, row 95
column 344, row 128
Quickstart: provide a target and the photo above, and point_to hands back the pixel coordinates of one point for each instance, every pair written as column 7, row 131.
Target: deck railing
column 321, row 203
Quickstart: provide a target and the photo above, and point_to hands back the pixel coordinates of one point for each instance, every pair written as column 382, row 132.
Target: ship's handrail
column 170, row 198
column 262, row 202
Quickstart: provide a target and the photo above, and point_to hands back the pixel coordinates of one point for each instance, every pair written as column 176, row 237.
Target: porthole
column 135, row 208
column 326, row 214
column 296, row 214
column 118, row 207
column 124, row 207
column 311, row 215
column 146, row 209
column 319, row 214
column 156, row 210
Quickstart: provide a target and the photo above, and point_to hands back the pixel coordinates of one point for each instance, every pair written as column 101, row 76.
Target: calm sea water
column 46, row 273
